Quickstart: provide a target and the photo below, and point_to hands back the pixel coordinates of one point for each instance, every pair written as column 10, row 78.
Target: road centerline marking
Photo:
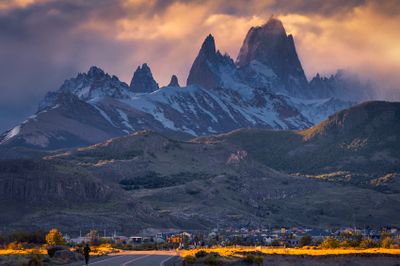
column 167, row 259
column 135, row 259
column 99, row 261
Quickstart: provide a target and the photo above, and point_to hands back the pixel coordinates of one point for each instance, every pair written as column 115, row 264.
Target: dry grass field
column 312, row 251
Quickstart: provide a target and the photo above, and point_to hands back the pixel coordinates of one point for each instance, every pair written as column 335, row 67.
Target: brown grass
column 313, row 251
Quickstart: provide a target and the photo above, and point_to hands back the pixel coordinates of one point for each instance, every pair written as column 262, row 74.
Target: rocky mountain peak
column 174, row 81
column 270, row 45
column 143, row 81
column 207, row 65
column 208, row 46
column 95, row 72
column 274, row 26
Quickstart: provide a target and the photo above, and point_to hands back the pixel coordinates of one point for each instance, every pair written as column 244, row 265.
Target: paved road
column 136, row 259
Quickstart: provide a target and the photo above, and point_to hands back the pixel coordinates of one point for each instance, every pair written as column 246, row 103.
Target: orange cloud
column 10, row 4
column 364, row 41
column 361, row 38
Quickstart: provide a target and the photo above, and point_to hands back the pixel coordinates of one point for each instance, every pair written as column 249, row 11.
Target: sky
column 44, row 42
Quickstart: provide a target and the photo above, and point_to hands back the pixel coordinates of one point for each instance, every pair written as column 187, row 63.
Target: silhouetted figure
column 86, row 251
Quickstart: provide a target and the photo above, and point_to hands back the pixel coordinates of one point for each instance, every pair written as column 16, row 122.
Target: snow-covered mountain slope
column 220, row 96
column 71, row 117
column 317, row 110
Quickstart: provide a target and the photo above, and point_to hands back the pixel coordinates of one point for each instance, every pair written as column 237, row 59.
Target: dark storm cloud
column 39, row 48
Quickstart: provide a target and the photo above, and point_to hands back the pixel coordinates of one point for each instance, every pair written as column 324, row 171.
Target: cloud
column 43, row 42
column 366, row 41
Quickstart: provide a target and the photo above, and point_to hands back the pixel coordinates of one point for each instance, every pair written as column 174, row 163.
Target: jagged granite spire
column 208, row 47
column 96, row 83
column 270, row 45
column 95, row 71
column 174, row 81
column 143, row 81
column 205, row 68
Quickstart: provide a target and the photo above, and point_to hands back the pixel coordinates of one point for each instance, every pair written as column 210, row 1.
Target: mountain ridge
column 220, row 96
column 248, row 177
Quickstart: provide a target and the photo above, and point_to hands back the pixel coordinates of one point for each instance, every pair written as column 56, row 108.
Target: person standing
column 86, row 251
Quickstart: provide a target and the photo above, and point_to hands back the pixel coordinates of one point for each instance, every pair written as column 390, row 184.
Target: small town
column 219, row 246
column 275, row 237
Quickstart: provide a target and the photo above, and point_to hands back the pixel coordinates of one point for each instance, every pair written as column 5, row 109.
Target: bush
column 212, row 260
column 36, row 260
column 275, row 243
column 14, row 246
column 201, row 254
column 258, row 259
column 330, row 242
column 305, row 240
column 367, row 243
column 190, row 259
column 345, row 243
column 387, row 242
column 53, row 249
column 253, row 259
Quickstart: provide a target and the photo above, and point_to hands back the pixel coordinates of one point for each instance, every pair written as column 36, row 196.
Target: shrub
column 345, row 243
column 330, row 242
column 190, row 259
column 36, row 260
column 275, row 243
column 305, row 240
column 258, row 259
column 387, row 242
column 53, row 249
column 367, row 243
column 201, row 254
column 253, row 259
column 212, row 260
column 13, row 245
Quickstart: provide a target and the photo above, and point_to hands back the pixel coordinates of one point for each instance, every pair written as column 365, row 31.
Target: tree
column 305, row 240
column 54, row 237
column 94, row 239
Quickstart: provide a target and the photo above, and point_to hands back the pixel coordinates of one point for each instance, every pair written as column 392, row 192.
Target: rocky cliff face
column 270, row 45
column 208, row 67
column 143, row 81
column 174, row 82
column 29, row 182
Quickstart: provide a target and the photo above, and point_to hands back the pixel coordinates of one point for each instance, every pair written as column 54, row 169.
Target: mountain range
column 341, row 172
column 248, row 143
column 265, row 88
